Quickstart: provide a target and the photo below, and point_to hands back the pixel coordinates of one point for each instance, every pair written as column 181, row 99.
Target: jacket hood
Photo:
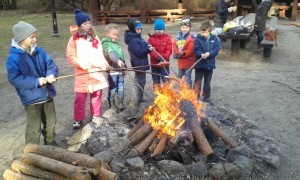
column 106, row 39
column 18, row 49
column 131, row 24
column 128, row 36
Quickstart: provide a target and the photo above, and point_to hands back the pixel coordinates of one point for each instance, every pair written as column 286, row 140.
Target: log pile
column 47, row 162
column 144, row 137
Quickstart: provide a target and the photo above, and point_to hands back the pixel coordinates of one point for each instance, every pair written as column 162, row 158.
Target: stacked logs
column 144, row 137
column 47, row 162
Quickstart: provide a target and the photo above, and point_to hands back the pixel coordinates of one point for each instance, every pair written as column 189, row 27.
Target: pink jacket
column 80, row 54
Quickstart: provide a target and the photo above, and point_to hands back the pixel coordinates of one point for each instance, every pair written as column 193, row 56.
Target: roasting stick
column 165, row 61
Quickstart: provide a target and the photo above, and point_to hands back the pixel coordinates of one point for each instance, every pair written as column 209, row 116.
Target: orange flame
column 165, row 115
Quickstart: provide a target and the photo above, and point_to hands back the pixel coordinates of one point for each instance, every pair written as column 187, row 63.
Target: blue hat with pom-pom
column 159, row 24
column 81, row 17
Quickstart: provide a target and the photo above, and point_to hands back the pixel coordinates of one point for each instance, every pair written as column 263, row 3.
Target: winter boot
column 121, row 105
column 112, row 105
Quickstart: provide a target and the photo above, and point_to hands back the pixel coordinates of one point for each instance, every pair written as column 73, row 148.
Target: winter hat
column 138, row 25
column 186, row 22
column 22, row 30
column 159, row 24
column 133, row 24
column 81, row 17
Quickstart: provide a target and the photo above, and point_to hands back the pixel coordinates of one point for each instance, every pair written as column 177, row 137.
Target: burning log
column 135, row 128
column 141, row 148
column 153, row 145
column 12, row 175
column 29, row 170
column 140, row 134
column 191, row 119
column 66, row 156
column 160, row 146
column 55, row 166
column 214, row 128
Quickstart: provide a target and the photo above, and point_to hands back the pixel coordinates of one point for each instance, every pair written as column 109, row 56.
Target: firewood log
column 12, row 175
column 29, row 170
column 191, row 119
column 214, row 128
column 136, row 128
column 146, row 142
column 66, row 156
column 153, row 145
column 140, row 134
column 106, row 175
column 55, row 166
column 161, row 146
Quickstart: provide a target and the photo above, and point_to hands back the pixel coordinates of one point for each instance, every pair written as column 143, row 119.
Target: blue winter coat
column 23, row 71
column 138, row 50
column 203, row 45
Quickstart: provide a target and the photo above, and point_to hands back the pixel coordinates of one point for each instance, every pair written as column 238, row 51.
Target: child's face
column 205, row 33
column 138, row 30
column 159, row 32
column 113, row 34
column 86, row 26
column 29, row 42
column 185, row 29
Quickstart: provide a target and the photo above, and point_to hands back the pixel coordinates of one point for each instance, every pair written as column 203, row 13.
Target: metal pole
column 54, row 20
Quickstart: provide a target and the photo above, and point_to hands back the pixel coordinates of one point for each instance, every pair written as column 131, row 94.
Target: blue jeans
column 182, row 72
column 260, row 37
column 199, row 74
column 162, row 71
column 116, row 86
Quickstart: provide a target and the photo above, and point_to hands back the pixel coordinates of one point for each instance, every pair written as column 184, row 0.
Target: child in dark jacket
column 206, row 46
column 115, row 57
column 32, row 72
column 223, row 8
column 138, row 50
column 163, row 47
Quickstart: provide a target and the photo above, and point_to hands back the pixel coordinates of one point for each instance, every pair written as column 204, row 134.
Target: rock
column 245, row 164
column 256, row 143
column 272, row 148
column 171, row 166
column 117, row 164
column 255, row 133
column 77, row 141
column 232, row 171
column 159, row 177
column 243, row 150
column 268, row 157
column 118, row 144
column 217, row 172
column 199, row 169
column 99, row 121
column 104, row 156
column 135, row 163
column 109, row 113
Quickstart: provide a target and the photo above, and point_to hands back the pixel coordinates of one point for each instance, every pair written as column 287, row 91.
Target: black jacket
column 221, row 14
column 261, row 16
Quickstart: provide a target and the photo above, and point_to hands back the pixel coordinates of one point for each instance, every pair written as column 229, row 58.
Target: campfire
column 174, row 115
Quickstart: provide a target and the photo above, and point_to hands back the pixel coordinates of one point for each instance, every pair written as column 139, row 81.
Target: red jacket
column 162, row 44
column 188, row 58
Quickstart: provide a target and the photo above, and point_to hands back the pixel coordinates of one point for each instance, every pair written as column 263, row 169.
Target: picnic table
column 105, row 16
column 166, row 14
column 269, row 44
column 242, row 39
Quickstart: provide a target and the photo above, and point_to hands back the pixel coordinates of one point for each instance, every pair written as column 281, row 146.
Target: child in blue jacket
column 32, row 72
column 138, row 50
column 206, row 47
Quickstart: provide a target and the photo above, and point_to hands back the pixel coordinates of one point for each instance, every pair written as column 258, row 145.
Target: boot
column 121, row 105
column 112, row 105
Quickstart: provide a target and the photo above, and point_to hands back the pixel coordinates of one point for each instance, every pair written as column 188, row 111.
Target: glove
column 230, row 9
column 50, row 79
column 176, row 56
column 42, row 81
column 151, row 48
column 120, row 63
column 160, row 59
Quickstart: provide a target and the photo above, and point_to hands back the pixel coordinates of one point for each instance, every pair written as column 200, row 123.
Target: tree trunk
column 295, row 10
column 29, row 170
column 55, row 166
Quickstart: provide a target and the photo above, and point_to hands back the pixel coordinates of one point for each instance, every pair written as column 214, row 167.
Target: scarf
column 87, row 36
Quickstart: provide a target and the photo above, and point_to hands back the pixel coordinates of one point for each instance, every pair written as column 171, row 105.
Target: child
column 184, row 50
column 138, row 50
column 223, row 7
column 206, row 46
column 115, row 57
column 84, row 52
column 32, row 72
column 163, row 45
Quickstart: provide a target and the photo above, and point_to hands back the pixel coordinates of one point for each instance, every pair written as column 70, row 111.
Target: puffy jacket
column 23, row 71
column 112, row 47
column 138, row 50
column 81, row 52
column 203, row 45
column 188, row 58
column 261, row 16
column 162, row 44
column 221, row 13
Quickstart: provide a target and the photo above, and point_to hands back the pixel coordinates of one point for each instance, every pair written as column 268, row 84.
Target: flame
column 165, row 115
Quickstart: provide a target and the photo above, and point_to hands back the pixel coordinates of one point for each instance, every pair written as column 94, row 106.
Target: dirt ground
column 265, row 90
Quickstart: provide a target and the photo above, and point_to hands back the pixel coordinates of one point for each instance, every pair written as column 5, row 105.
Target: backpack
column 237, row 30
column 270, row 35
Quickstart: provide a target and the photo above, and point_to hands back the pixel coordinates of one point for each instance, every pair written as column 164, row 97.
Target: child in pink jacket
column 84, row 52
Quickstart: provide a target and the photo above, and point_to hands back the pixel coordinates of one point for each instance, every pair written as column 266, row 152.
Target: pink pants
column 95, row 105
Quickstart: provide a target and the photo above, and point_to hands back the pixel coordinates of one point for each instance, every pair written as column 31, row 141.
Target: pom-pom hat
column 81, row 17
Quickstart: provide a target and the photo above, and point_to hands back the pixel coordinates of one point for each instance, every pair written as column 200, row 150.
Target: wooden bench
column 240, row 40
column 105, row 16
column 167, row 14
column 266, row 44
column 281, row 10
column 202, row 12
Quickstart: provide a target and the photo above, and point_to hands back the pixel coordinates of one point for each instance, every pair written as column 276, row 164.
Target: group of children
column 32, row 71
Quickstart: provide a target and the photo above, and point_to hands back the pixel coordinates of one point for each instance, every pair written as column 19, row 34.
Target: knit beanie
column 81, row 17
column 138, row 25
column 22, row 30
column 186, row 22
column 159, row 24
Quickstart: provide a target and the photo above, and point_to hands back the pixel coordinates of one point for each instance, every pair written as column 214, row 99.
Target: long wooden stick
column 166, row 61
